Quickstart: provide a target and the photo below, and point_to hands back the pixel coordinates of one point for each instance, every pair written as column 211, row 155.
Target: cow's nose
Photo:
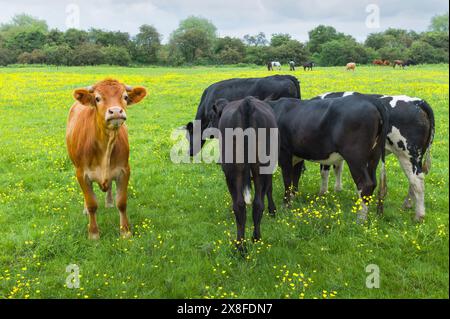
column 116, row 112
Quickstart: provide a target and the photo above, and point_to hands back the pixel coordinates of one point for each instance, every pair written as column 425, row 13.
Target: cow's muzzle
column 115, row 116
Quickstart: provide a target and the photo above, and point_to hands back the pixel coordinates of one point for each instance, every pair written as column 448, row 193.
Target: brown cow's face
column 110, row 99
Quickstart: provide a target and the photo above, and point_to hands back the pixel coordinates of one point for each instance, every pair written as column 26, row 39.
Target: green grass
column 181, row 214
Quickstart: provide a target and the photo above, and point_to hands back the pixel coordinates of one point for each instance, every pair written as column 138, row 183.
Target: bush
column 58, row 54
column 35, row 57
column 7, row 57
column 116, row 56
column 88, row 54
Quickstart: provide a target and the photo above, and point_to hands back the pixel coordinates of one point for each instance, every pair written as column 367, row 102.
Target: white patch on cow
column 395, row 136
column 397, row 98
column 324, row 95
column 247, row 195
column 416, row 184
column 325, row 174
column 332, row 159
column 347, row 93
column 296, row 160
column 338, row 174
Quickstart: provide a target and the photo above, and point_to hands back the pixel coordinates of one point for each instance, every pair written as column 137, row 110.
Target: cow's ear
column 84, row 97
column 136, row 95
column 219, row 105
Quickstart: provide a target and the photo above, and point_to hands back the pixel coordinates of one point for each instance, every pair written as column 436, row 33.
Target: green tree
column 193, row 39
column 147, row 44
column 75, row 37
column 320, row 35
column 24, row 22
column 279, row 39
column 439, row 23
column 340, row 52
column 256, row 40
column 58, row 54
column 229, row 50
column 88, row 54
column 114, row 55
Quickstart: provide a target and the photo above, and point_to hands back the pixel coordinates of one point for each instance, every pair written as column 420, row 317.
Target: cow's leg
column 382, row 189
column 258, row 203
column 408, row 202
column 271, row 203
column 324, row 174
column 90, row 203
column 296, row 173
column 364, row 183
column 338, row 175
column 286, row 170
column 121, row 201
column 109, row 201
column 416, row 183
column 234, row 183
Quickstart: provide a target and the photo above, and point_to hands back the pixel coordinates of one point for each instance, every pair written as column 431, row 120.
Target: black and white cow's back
column 410, row 137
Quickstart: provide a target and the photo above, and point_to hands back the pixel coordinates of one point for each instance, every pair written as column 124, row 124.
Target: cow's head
column 216, row 112
column 110, row 99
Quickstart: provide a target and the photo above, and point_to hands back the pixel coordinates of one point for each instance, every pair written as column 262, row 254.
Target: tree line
column 28, row 40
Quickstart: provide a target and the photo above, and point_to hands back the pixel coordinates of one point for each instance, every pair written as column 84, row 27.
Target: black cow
column 328, row 131
column 308, row 66
column 409, row 62
column 271, row 87
column 253, row 114
column 409, row 138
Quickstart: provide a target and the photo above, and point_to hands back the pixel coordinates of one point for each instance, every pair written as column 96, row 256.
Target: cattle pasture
column 181, row 214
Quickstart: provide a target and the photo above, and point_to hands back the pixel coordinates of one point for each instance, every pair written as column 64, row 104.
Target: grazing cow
column 409, row 62
column 271, row 87
column 378, row 62
column 400, row 63
column 386, row 62
column 97, row 143
column 308, row 66
column 410, row 136
column 350, row 66
column 249, row 114
column 274, row 64
column 291, row 66
column 351, row 128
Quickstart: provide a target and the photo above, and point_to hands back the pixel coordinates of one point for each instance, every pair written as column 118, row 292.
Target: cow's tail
column 383, row 109
column 426, row 165
column 297, row 85
column 247, row 111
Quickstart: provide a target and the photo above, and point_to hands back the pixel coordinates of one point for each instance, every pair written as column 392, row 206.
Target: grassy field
column 181, row 214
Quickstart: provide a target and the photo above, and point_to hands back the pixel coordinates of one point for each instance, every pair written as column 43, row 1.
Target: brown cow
column 97, row 143
column 350, row 66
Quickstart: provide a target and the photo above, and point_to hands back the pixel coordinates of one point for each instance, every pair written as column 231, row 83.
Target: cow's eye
column 97, row 99
column 126, row 97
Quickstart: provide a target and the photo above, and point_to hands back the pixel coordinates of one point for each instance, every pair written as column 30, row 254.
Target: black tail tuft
column 426, row 166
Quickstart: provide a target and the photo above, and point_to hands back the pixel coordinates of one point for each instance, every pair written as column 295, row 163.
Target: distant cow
column 247, row 114
column 291, row 66
column 400, row 63
column 308, row 66
column 273, row 64
column 350, row 66
column 378, row 62
column 271, row 87
column 97, row 143
column 351, row 128
column 410, row 136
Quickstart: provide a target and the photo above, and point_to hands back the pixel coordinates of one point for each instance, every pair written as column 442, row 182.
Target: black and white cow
column 291, row 66
column 246, row 114
column 273, row 64
column 410, row 137
column 352, row 128
column 270, row 87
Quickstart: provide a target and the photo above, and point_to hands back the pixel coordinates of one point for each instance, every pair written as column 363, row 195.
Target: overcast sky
column 232, row 17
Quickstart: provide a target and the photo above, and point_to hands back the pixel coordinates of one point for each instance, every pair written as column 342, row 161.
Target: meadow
column 181, row 215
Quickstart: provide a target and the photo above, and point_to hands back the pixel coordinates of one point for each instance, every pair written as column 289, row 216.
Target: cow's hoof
column 109, row 204
column 361, row 219
column 322, row 193
column 273, row 214
column 125, row 234
column 407, row 204
column 85, row 211
column 256, row 239
column 419, row 218
column 338, row 189
column 94, row 236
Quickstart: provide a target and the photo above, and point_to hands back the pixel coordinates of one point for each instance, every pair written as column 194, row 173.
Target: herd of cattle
column 349, row 66
column 359, row 129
